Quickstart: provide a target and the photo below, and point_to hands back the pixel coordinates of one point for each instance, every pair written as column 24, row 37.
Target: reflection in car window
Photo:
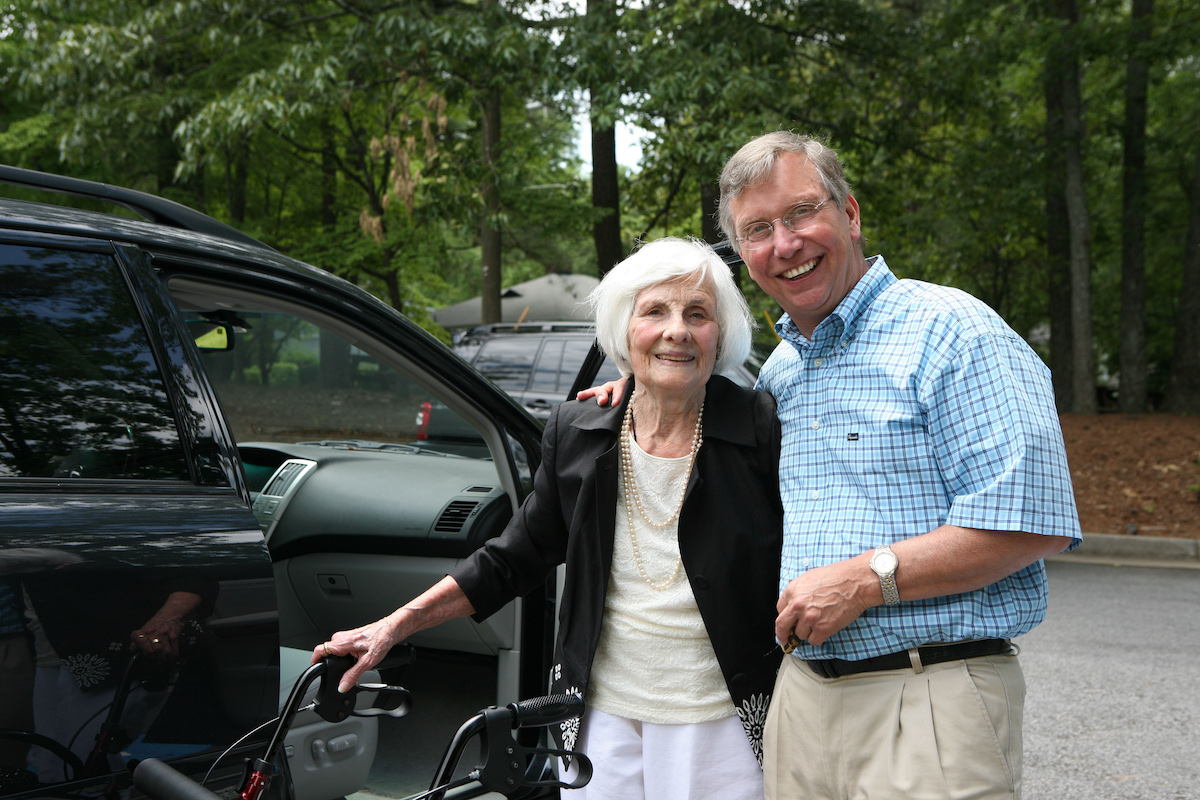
column 288, row 380
column 507, row 362
column 545, row 377
column 576, row 352
column 81, row 394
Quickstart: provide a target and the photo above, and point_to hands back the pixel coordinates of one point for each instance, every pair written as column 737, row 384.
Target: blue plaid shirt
column 913, row 406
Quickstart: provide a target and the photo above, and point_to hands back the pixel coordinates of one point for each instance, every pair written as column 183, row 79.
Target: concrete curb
column 1116, row 548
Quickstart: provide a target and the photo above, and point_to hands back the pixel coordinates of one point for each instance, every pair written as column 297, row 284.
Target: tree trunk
column 328, row 176
column 336, row 368
column 1083, row 373
column 1058, row 244
column 1183, row 385
column 236, row 180
column 1132, row 397
column 490, row 234
column 606, row 191
column 606, row 200
column 709, row 229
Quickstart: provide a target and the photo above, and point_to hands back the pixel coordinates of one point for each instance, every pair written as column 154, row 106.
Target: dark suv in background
column 210, row 459
column 537, row 362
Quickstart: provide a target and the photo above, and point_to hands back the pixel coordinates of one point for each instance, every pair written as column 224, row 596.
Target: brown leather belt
column 929, row 654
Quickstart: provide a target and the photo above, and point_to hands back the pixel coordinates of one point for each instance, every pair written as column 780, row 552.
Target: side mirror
column 211, row 336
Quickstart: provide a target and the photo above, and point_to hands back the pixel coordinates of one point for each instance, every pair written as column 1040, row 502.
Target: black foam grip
column 538, row 711
column 163, row 782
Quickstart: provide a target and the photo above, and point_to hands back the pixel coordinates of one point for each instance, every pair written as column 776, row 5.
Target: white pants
column 646, row 761
column 65, row 713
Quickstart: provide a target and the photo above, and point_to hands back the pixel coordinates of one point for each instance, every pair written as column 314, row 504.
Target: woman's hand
column 370, row 643
column 614, row 389
column 367, row 645
column 158, row 639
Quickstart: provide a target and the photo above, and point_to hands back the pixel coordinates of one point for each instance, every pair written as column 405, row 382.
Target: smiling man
column 923, row 478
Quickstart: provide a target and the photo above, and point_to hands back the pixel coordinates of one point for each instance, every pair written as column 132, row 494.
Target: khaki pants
column 952, row 731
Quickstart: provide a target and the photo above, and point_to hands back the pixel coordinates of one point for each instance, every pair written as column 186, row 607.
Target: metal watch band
column 891, row 596
column 887, row 579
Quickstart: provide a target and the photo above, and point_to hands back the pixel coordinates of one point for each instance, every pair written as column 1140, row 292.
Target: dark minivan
column 210, row 461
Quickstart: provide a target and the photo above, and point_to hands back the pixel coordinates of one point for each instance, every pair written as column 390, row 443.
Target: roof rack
column 148, row 206
column 728, row 253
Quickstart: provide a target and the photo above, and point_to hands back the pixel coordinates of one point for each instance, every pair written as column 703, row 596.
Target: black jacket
column 730, row 534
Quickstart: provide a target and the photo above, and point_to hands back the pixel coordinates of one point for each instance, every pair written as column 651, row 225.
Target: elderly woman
column 666, row 512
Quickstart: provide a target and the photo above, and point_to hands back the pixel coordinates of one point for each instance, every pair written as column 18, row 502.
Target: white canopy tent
column 550, row 297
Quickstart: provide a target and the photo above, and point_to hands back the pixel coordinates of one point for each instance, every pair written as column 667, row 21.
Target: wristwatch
column 884, row 562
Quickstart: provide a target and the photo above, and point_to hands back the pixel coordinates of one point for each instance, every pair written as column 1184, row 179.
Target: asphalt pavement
column 1112, row 709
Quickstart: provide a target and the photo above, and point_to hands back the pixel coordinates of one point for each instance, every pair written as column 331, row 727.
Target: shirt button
column 806, row 562
column 816, row 425
column 815, row 494
column 845, row 343
column 818, row 362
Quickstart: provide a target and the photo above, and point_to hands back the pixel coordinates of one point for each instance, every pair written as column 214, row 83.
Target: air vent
column 480, row 489
column 455, row 516
column 285, row 476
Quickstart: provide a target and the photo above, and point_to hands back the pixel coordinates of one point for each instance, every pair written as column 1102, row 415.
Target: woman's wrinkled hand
column 158, row 639
column 367, row 645
column 370, row 643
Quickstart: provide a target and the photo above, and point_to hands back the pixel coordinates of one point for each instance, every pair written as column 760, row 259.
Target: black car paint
column 133, row 530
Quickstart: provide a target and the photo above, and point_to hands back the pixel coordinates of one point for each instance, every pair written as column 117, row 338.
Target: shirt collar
column 841, row 323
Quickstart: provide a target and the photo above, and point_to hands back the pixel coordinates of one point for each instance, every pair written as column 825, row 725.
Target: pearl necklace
column 632, row 490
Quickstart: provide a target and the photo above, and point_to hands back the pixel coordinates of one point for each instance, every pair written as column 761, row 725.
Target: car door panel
column 120, row 526
column 341, row 590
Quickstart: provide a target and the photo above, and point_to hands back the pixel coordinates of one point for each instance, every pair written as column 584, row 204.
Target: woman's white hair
column 662, row 261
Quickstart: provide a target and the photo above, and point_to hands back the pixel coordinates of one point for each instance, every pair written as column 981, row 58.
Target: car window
column 508, row 361
column 289, row 380
column 549, row 368
column 81, row 392
column 576, row 352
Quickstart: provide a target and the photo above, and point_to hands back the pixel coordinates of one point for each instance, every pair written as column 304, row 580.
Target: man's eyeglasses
column 797, row 220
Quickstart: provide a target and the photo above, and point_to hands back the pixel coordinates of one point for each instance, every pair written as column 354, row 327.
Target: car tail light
column 423, row 421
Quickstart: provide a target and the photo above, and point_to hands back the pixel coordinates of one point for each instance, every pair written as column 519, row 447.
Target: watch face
column 884, row 561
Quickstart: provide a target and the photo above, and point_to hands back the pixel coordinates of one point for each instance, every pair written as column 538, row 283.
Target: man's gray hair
column 755, row 160
column 663, row 261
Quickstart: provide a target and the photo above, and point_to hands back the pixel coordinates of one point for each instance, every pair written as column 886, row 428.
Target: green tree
column 1133, row 217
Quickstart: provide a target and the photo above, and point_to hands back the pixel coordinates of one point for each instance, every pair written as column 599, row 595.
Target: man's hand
column 948, row 560
column 613, row 389
column 822, row 601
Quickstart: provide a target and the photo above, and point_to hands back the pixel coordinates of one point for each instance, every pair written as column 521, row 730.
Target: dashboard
column 372, row 498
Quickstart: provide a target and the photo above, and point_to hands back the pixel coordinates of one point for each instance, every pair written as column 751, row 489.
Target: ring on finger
column 326, row 646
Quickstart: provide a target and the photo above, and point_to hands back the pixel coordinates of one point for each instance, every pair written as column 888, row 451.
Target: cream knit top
column 654, row 662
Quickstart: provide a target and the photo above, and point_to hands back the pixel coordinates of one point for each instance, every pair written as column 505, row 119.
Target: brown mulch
column 1135, row 473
